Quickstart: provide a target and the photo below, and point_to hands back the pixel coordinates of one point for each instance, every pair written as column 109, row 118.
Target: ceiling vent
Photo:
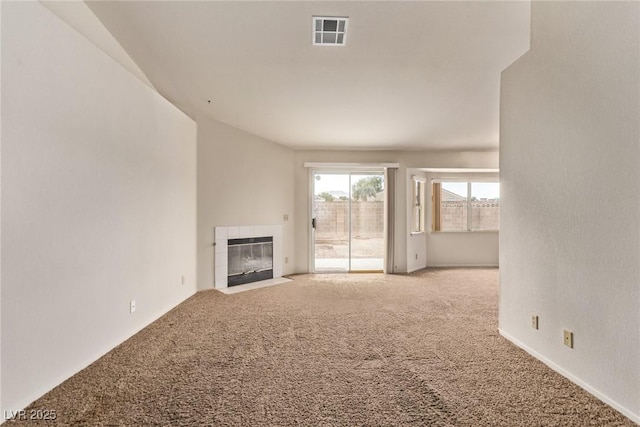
column 330, row 31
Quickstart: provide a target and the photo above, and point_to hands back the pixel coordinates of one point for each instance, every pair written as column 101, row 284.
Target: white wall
column 98, row 197
column 242, row 180
column 459, row 249
column 463, row 249
column 570, row 221
column 82, row 19
column 406, row 245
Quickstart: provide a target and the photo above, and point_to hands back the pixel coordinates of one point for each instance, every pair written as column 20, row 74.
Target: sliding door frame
column 346, row 168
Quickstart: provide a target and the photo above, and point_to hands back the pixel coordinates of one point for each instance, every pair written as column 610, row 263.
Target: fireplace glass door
column 249, row 260
column 348, row 221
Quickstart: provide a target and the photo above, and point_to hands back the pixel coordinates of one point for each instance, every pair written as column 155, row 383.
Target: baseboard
column 254, row 285
column 615, row 405
column 422, row 267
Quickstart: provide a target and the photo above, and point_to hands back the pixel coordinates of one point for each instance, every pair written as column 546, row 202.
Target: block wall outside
column 484, row 215
column 332, row 219
column 368, row 218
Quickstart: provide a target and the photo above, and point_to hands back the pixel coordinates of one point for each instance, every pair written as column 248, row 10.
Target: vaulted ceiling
column 413, row 75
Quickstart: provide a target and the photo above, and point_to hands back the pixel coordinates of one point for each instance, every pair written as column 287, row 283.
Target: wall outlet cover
column 534, row 321
column 568, row 338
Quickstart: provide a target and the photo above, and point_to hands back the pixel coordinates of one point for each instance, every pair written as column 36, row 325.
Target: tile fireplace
column 246, row 254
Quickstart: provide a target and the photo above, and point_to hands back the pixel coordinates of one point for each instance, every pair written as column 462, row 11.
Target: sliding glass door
column 348, row 221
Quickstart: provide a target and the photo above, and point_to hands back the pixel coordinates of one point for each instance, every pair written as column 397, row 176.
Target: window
column 466, row 206
column 418, row 205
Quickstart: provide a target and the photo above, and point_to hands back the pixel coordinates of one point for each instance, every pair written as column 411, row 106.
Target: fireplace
column 257, row 246
column 249, row 260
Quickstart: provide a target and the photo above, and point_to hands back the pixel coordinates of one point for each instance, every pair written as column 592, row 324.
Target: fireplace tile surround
column 224, row 233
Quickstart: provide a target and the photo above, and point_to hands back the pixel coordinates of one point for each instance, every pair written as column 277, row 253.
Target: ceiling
column 413, row 75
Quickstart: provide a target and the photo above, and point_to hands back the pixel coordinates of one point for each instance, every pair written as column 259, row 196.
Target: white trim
column 460, row 170
column 351, row 220
column 311, row 250
column 462, row 231
column 469, row 207
column 412, row 270
column 463, row 265
column 351, row 165
column 467, row 179
column 615, row 405
column 422, row 220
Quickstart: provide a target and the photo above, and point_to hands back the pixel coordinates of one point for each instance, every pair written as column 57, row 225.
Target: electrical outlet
column 285, row 217
column 568, row 338
column 534, row 321
column 286, row 260
column 182, row 280
column 132, row 306
column 416, row 256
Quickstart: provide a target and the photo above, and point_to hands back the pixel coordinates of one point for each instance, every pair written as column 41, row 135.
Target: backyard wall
column 98, row 203
column 569, row 154
column 484, row 215
column 367, row 219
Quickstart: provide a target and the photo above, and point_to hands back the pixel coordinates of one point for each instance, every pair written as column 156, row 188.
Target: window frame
column 418, row 204
column 436, row 200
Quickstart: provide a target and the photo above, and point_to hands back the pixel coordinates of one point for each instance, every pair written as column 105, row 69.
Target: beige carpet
column 368, row 350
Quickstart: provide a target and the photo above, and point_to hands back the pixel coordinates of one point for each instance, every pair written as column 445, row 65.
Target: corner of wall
column 243, row 180
column 577, row 87
column 81, row 18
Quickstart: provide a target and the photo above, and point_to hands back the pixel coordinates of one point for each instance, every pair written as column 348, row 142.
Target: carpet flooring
column 335, row 350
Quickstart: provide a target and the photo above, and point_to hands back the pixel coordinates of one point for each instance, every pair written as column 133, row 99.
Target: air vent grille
column 330, row 31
